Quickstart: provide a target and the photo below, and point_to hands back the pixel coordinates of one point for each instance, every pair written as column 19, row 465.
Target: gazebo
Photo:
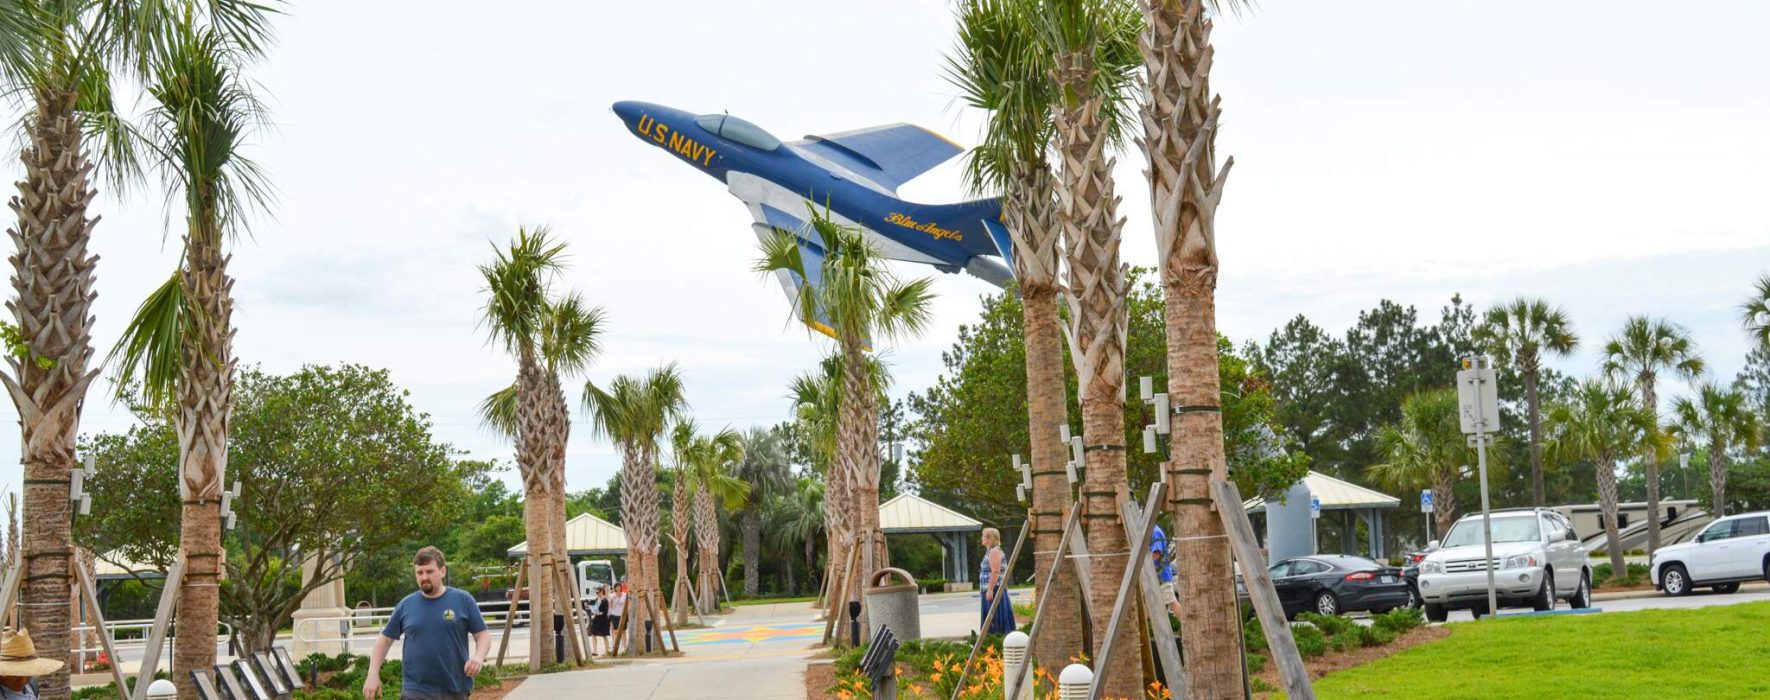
column 1350, row 504
column 585, row 535
column 912, row 515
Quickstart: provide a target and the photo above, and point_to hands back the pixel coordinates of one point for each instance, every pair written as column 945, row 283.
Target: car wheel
column 1436, row 613
column 1675, row 580
column 1413, row 597
column 1326, row 603
column 1582, row 598
column 1545, row 596
column 1727, row 588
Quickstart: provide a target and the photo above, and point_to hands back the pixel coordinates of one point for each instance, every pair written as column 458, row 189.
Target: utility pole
column 1478, row 400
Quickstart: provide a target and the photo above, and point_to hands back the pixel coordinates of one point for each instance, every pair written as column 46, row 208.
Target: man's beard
column 427, row 587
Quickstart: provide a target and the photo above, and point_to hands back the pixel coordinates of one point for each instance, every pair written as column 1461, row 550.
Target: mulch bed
column 1340, row 661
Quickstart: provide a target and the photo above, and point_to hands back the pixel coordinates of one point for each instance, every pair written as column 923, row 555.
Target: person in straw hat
column 19, row 663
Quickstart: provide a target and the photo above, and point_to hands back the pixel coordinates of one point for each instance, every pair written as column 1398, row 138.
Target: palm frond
column 498, row 412
column 149, row 353
column 1755, row 312
column 571, row 334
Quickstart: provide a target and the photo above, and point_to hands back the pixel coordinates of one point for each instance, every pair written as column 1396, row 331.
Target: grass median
column 1714, row 652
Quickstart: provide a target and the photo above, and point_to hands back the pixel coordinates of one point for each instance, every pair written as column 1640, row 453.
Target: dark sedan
column 1336, row 584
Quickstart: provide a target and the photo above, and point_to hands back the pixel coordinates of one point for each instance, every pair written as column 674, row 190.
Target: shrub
column 1399, row 620
column 931, row 585
column 1310, row 642
column 1259, row 685
column 1255, row 635
column 1256, row 663
column 1331, row 625
column 1374, row 636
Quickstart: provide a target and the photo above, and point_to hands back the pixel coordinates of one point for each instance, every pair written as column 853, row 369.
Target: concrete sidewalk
column 751, row 678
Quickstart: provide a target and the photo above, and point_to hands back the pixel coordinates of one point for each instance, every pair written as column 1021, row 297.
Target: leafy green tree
column 1719, row 419
column 1519, row 332
column 1603, row 422
column 344, row 442
column 1644, row 349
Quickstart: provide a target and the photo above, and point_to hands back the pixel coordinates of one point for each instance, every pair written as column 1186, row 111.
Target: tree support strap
column 48, row 482
column 1192, row 501
column 1091, row 448
column 1182, row 410
column 1050, row 472
column 40, row 577
column 1195, row 471
column 201, row 501
column 34, row 555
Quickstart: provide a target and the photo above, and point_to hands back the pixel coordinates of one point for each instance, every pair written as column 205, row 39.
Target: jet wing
column 771, row 220
column 887, row 156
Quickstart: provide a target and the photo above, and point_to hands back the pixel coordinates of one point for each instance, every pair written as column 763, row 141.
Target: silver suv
column 1537, row 558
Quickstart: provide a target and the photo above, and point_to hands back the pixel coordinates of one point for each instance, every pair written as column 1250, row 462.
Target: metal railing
column 368, row 622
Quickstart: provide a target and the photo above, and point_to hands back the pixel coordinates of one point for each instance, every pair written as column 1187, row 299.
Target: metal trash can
column 894, row 606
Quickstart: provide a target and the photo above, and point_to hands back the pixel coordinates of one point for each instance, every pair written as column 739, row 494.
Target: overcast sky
column 1610, row 156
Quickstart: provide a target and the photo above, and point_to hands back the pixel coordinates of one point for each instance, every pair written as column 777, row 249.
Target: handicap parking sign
column 1314, row 507
column 1426, row 501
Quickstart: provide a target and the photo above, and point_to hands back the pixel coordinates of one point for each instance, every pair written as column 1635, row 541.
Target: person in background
column 992, row 580
column 1164, row 569
column 617, row 606
column 435, row 623
column 19, row 663
column 599, row 621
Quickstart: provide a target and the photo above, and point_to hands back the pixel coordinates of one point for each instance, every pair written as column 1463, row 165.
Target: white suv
column 1730, row 550
column 1537, row 558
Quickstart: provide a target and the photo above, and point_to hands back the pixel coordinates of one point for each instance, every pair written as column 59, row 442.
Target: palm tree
column 1603, row 422
column 1093, row 46
column 1755, row 314
column 765, row 468
column 1425, row 450
column 57, row 57
column 682, row 449
column 1180, row 120
column 817, row 400
column 180, row 342
column 549, row 338
column 861, row 302
column 1720, row 417
column 794, row 519
column 1002, row 67
column 1645, row 348
column 1520, row 331
column 717, row 456
column 635, row 413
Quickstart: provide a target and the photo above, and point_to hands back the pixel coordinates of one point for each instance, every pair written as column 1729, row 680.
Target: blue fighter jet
column 854, row 173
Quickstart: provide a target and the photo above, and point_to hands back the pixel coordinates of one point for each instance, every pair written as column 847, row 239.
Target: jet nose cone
column 628, row 111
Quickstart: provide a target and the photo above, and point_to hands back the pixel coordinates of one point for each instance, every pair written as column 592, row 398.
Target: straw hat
column 18, row 657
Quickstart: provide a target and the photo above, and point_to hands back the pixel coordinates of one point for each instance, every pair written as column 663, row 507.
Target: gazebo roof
column 112, row 566
column 1335, row 495
column 586, row 535
column 909, row 513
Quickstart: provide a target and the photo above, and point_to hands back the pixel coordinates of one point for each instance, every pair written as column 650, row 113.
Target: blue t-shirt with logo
column 435, row 632
column 1159, row 545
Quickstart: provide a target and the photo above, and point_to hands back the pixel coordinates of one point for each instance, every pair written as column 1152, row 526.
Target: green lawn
column 1716, row 652
column 741, row 602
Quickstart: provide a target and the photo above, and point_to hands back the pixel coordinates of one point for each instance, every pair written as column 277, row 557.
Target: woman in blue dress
column 993, row 582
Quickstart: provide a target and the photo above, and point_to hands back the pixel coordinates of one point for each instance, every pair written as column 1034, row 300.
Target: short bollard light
column 1075, row 682
column 1013, row 657
column 161, row 688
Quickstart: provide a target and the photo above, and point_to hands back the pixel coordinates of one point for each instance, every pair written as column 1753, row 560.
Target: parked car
column 1410, row 572
column 1332, row 584
column 1730, row 550
column 1537, row 559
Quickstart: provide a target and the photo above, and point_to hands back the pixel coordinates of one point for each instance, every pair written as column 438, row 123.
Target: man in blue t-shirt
column 435, row 623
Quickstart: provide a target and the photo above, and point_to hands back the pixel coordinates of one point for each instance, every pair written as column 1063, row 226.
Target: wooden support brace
column 1261, row 592
column 510, row 613
column 89, row 593
column 839, row 596
column 1155, row 608
column 150, row 658
column 1070, row 525
column 566, row 608
column 1139, row 544
column 998, row 604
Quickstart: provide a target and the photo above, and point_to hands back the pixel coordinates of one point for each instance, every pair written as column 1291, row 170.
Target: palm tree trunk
column 707, row 543
column 52, row 279
column 753, row 549
column 1060, row 638
column 1087, row 212
column 1651, row 401
column 1607, row 505
column 1534, row 401
column 1444, row 507
column 1718, row 476
column 559, row 427
column 858, row 453
column 1179, row 137
column 205, row 406
column 534, row 459
column 679, row 522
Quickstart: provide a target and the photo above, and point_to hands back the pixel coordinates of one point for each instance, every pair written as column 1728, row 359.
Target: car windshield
column 1512, row 529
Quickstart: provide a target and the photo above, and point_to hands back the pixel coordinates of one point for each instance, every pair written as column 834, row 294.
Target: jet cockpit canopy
column 738, row 130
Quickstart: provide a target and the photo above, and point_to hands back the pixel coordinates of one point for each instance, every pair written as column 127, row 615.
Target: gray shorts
column 421, row 695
